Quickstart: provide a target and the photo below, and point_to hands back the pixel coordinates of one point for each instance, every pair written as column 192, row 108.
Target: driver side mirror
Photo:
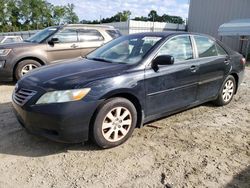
column 162, row 60
column 53, row 41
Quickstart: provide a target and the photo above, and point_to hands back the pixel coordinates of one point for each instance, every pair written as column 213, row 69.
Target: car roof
column 89, row 26
column 169, row 33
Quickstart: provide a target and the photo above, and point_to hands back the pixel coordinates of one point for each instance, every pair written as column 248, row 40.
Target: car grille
column 23, row 95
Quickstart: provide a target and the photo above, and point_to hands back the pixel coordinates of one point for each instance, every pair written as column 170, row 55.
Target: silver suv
column 51, row 45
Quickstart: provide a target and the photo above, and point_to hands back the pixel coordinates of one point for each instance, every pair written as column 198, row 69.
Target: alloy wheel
column 116, row 124
column 28, row 68
column 228, row 91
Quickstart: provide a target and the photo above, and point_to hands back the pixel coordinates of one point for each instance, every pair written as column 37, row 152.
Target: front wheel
column 114, row 123
column 226, row 92
column 24, row 67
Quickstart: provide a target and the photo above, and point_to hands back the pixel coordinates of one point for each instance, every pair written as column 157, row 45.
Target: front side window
column 66, row 36
column 126, row 49
column 205, row 46
column 179, row 47
column 89, row 35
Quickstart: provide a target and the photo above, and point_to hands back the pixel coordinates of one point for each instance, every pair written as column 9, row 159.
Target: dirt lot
column 206, row 146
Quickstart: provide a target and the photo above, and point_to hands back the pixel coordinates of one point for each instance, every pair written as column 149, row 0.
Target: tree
column 152, row 15
column 3, row 11
column 70, row 16
column 13, row 14
column 33, row 14
column 58, row 14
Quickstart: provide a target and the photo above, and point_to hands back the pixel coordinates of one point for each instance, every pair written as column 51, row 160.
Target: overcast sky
column 93, row 9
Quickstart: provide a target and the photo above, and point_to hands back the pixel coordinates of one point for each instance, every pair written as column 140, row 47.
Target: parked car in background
column 10, row 39
column 50, row 46
column 129, row 81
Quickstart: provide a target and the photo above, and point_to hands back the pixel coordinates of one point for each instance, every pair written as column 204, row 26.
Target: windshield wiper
column 100, row 59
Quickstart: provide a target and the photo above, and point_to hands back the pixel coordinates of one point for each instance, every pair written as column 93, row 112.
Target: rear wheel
column 227, row 91
column 114, row 123
column 25, row 66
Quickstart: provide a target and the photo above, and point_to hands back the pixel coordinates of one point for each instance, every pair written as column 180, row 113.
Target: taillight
column 243, row 61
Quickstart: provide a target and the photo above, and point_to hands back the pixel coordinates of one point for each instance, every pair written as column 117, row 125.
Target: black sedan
column 124, row 84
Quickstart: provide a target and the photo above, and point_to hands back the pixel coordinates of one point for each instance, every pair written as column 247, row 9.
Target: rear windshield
column 114, row 33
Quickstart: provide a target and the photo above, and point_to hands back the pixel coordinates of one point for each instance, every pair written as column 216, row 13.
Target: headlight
column 4, row 52
column 63, row 96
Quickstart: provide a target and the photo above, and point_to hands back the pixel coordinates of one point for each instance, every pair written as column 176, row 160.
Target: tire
column 118, row 127
column 227, row 91
column 25, row 66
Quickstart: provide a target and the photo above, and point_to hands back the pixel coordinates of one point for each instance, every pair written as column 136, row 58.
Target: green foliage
column 18, row 15
column 153, row 16
column 124, row 16
column 119, row 17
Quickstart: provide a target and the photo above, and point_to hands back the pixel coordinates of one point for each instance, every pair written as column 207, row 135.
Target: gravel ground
column 206, row 146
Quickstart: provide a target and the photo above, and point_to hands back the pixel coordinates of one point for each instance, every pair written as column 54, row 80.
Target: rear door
column 214, row 65
column 173, row 86
column 68, row 46
column 89, row 40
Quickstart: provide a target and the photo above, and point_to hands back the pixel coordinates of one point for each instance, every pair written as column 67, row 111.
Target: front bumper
column 65, row 122
column 5, row 72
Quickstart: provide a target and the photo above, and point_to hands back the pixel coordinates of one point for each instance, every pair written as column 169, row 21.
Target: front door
column 66, row 48
column 172, row 86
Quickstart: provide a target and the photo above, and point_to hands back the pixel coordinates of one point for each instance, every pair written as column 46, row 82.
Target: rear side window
column 205, row 46
column 220, row 50
column 66, row 36
column 89, row 35
column 179, row 47
column 114, row 33
column 10, row 40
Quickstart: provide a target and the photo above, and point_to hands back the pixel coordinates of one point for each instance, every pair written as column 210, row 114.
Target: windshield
column 42, row 35
column 127, row 49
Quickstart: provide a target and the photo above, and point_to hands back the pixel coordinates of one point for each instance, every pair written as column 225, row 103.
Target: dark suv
column 52, row 45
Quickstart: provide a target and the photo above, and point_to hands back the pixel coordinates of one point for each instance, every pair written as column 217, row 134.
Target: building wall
column 205, row 16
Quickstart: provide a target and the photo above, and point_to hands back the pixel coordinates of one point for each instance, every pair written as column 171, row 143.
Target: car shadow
column 241, row 180
column 7, row 83
column 14, row 140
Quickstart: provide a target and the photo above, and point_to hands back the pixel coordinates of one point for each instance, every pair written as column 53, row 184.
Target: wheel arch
column 129, row 96
column 236, row 77
column 27, row 58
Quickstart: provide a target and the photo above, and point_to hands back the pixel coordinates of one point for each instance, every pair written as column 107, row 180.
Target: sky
column 94, row 9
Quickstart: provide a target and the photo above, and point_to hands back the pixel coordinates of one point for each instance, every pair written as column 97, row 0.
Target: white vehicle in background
column 10, row 39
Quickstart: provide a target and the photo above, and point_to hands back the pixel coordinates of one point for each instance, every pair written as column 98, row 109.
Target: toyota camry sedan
column 124, row 84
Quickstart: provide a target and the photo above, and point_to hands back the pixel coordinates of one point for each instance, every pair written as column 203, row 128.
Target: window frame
column 210, row 38
column 167, row 40
column 78, row 38
column 61, row 30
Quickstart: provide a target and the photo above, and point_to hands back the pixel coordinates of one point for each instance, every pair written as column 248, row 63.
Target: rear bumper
column 241, row 76
column 67, row 123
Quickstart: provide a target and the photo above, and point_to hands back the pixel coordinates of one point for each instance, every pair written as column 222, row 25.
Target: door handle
column 227, row 61
column 73, row 46
column 194, row 68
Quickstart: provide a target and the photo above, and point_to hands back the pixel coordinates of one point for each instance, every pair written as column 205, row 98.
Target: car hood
column 17, row 45
column 71, row 74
